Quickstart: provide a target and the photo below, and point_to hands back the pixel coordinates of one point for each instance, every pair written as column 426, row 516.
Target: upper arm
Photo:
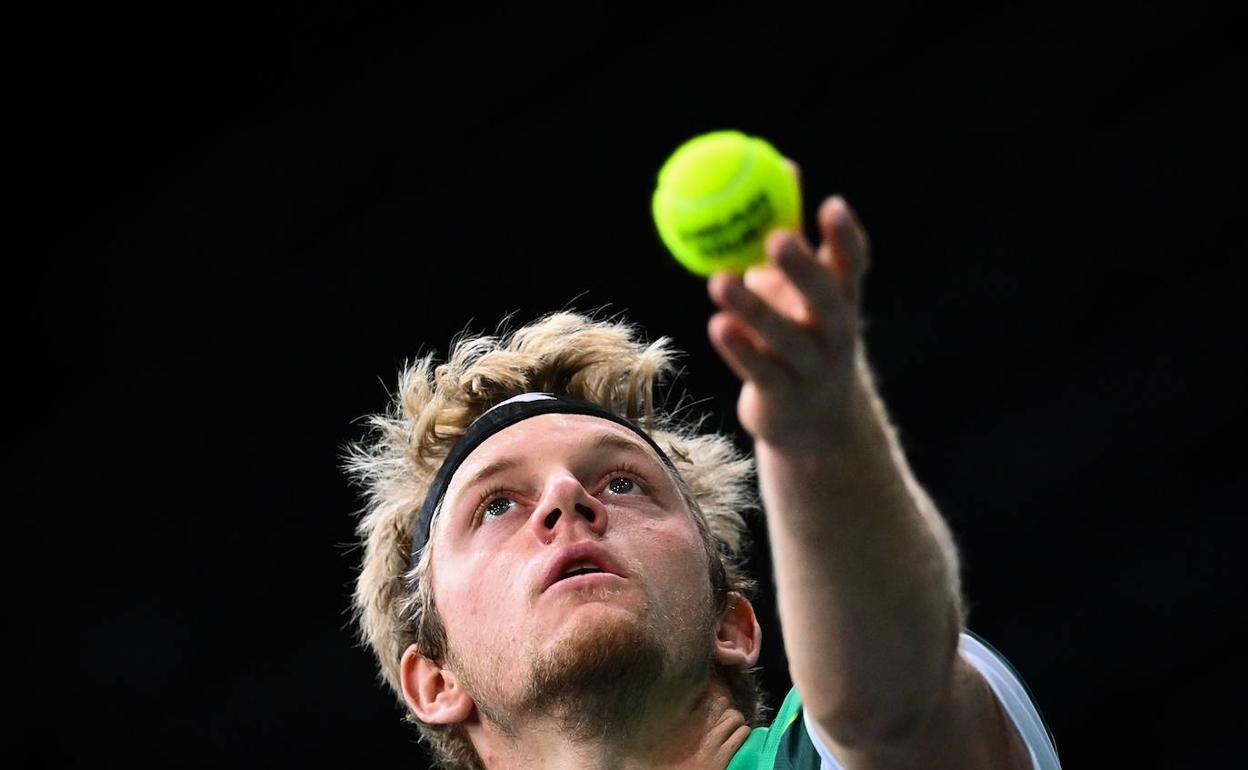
column 968, row 730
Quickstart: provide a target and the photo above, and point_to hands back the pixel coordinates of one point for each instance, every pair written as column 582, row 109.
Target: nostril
column 552, row 517
column 585, row 511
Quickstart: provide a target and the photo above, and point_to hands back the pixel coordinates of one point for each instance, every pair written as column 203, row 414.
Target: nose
column 567, row 505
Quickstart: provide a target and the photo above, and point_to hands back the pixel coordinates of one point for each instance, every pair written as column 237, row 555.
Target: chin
column 595, row 623
column 595, row 654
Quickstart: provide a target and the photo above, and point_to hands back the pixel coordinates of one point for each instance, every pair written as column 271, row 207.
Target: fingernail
column 846, row 210
column 840, row 211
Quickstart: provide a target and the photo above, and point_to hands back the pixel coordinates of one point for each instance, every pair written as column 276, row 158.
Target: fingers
column 790, row 317
column 817, row 287
column 741, row 353
column 845, row 247
column 775, row 333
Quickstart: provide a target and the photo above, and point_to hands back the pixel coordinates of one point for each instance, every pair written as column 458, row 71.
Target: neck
column 677, row 727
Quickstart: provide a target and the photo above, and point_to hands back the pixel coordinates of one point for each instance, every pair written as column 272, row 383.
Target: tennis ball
column 719, row 195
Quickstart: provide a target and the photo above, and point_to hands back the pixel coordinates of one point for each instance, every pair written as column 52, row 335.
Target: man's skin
column 614, row 671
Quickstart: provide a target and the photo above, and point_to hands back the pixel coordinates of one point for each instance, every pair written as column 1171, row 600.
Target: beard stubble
column 598, row 678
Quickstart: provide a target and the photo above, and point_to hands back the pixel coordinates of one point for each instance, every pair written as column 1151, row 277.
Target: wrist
column 855, row 442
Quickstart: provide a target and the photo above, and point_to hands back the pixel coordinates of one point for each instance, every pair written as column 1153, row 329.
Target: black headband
column 503, row 415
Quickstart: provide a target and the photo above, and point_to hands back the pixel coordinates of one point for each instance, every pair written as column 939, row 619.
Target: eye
column 623, row 485
column 626, row 479
column 498, row 507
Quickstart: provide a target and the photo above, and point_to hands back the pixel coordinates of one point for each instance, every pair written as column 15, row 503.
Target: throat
column 698, row 729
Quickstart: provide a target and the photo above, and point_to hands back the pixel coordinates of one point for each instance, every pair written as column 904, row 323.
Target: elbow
column 892, row 709
column 891, row 716
column 862, row 730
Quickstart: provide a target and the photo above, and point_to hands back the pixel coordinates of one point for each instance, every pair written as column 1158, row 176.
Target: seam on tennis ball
column 737, row 180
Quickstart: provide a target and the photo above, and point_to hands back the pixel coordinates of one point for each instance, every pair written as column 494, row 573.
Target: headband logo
column 519, row 399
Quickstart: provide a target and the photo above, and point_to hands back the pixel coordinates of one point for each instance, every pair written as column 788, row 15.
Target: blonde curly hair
column 565, row 353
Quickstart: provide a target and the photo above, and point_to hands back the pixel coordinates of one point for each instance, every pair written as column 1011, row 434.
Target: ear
column 739, row 639
column 433, row 693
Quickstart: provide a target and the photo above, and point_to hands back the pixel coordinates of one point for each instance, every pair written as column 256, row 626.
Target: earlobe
column 739, row 639
column 433, row 693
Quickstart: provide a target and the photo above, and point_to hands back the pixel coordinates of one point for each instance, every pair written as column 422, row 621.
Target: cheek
column 677, row 553
column 481, row 601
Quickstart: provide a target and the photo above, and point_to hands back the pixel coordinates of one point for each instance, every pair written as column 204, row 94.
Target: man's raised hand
column 790, row 329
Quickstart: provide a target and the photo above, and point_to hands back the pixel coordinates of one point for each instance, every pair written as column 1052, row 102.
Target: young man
column 552, row 576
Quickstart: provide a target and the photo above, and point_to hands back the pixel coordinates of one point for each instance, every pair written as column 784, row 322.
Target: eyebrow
column 604, row 441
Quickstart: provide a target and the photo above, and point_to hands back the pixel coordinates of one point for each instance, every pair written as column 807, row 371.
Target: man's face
column 512, row 511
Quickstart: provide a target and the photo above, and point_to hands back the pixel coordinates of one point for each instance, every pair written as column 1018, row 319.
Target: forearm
column 867, row 576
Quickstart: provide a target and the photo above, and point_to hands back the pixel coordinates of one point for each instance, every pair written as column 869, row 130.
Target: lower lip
column 584, row 581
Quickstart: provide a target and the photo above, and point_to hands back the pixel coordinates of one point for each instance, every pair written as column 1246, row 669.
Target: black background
column 237, row 224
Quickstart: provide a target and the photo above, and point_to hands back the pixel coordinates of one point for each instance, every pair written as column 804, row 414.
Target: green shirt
column 784, row 746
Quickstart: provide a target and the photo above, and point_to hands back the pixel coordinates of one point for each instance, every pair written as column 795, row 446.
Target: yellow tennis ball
column 719, row 195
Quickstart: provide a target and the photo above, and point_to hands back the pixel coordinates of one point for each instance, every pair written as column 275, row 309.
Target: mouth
column 584, row 580
column 573, row 572
column 581, row 564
